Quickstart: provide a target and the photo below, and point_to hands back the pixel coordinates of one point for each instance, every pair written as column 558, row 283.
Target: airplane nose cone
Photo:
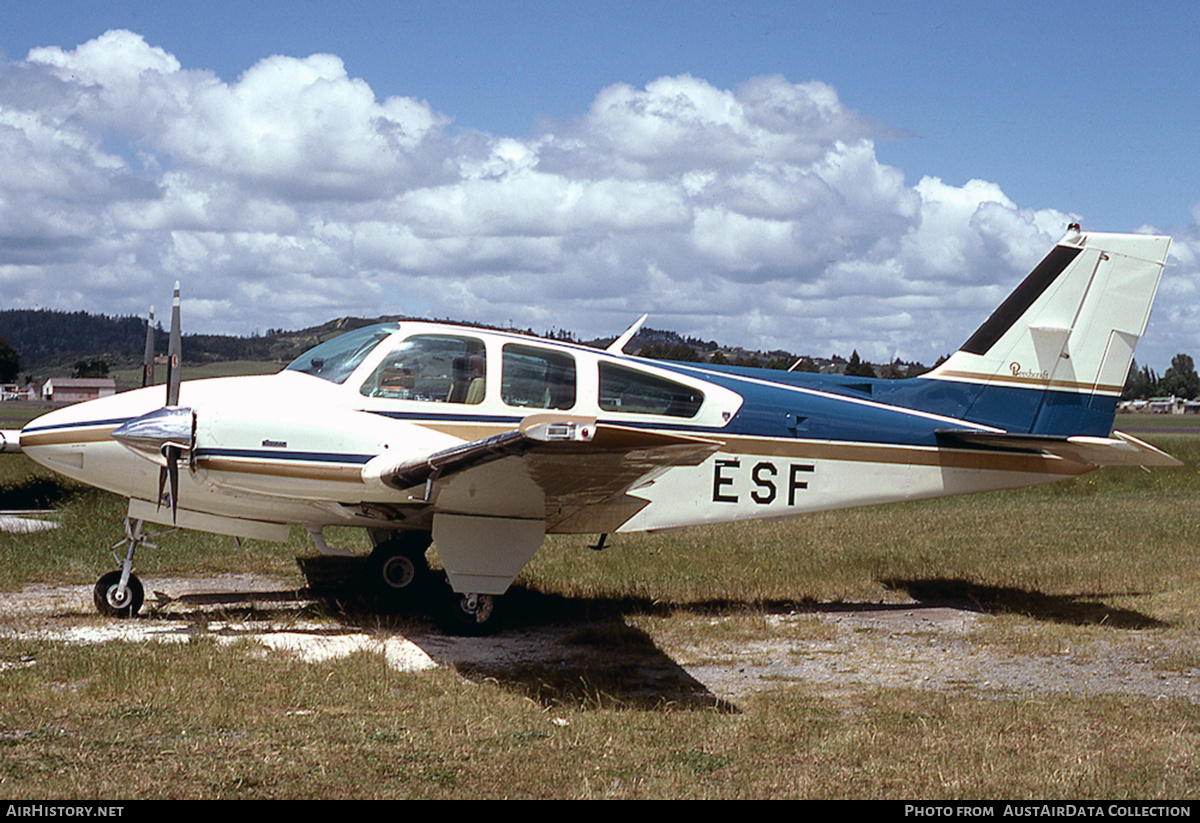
column 151, row 434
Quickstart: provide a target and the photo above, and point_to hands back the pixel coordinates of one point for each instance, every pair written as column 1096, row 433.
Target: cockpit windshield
column 334, row 360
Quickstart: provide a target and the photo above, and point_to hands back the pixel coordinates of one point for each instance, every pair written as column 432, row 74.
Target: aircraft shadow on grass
column 555, row 650
column 580, row 651
column 1072, row 609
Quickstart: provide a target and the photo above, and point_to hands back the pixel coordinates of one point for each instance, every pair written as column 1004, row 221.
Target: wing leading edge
column 569, row 471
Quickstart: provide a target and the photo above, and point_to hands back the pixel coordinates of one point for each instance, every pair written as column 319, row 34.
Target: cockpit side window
column 432, row 367
column 631, row 391
column 536, row 378
column 335, row 360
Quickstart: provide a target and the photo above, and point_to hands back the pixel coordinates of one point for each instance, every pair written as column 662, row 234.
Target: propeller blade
column 162, row 482
column 174, row 351
column 170, row 472
column 173, row 476
column 148, row 359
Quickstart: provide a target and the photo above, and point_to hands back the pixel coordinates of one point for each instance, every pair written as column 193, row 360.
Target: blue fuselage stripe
column 280, row 454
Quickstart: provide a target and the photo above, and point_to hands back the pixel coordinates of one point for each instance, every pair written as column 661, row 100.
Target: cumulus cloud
column 758, row 215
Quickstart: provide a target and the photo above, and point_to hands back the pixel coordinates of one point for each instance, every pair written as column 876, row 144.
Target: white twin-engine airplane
column 484, row 442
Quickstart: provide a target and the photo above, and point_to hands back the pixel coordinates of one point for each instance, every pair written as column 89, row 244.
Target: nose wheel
column 114, row 600
column 119, row 593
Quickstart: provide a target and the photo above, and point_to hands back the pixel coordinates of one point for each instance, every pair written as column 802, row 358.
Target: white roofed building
column 78, row 389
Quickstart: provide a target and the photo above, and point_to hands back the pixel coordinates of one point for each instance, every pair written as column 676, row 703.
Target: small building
column 1165, row 405
column 77, row 389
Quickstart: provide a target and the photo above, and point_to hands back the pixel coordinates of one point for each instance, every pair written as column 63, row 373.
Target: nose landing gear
column 119, row 593
column 116, row 599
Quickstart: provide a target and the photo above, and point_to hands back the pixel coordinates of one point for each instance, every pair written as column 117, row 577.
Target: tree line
column 43, row 338
column 1180, row 380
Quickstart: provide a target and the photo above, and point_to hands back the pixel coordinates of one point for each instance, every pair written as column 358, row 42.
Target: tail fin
column 1053, row 359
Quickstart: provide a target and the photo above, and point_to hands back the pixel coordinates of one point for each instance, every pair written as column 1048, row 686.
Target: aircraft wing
column 570, row 471
column 1119, row 450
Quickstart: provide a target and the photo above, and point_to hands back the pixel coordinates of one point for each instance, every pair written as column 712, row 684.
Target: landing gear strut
column 119, row 593
column 472, row 615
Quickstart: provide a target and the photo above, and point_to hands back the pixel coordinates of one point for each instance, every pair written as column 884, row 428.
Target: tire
column 105, row 595
column 397, row 570
column 467, row 615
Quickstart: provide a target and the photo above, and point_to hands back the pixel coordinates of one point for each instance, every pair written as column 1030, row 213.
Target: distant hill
column 51, row 342
column 45, row 337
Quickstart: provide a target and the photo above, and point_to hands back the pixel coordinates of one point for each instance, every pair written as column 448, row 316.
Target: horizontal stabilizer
column 1119, row 450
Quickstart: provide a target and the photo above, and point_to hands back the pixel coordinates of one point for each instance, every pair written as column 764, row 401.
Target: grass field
column 231, row 368
column 1097, row 560
column 1158, row 421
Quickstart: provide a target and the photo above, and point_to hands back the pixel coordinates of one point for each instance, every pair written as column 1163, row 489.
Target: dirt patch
column 939, row 649
column 832, row 649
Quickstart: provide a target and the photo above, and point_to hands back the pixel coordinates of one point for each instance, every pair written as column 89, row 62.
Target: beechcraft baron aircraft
column 485, row 442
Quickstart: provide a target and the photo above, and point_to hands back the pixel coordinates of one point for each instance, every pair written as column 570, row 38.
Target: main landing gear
column 472, row 615
column 399, row 577
column 119, row 593
column 397, row 571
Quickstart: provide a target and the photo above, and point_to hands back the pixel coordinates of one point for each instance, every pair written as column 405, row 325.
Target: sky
column 816, row 177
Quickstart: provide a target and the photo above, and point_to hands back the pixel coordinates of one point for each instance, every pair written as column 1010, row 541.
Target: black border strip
column 1019, row 301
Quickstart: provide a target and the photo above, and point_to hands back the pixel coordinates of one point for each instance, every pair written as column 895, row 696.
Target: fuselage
column 295, row 447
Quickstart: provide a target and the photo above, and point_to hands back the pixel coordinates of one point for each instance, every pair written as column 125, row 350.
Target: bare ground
column 704, row 657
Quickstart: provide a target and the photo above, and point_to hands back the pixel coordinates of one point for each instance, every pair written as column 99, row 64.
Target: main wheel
column 471, row 615
column 397, row 569
column 107, row 601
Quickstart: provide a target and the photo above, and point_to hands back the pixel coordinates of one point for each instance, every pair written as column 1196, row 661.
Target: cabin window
column 432, row 367
column 536, row 378
column 334, row 360
column 635, row 392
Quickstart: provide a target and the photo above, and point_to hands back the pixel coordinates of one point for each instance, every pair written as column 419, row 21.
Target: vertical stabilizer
column 1054, row 357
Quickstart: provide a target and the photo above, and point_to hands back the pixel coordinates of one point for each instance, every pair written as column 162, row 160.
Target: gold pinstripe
column 1025, row 382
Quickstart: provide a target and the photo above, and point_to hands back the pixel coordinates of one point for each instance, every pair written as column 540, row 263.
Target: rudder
column 1053, row 358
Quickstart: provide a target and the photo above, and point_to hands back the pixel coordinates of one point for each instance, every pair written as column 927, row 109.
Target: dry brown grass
column 203, row 721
